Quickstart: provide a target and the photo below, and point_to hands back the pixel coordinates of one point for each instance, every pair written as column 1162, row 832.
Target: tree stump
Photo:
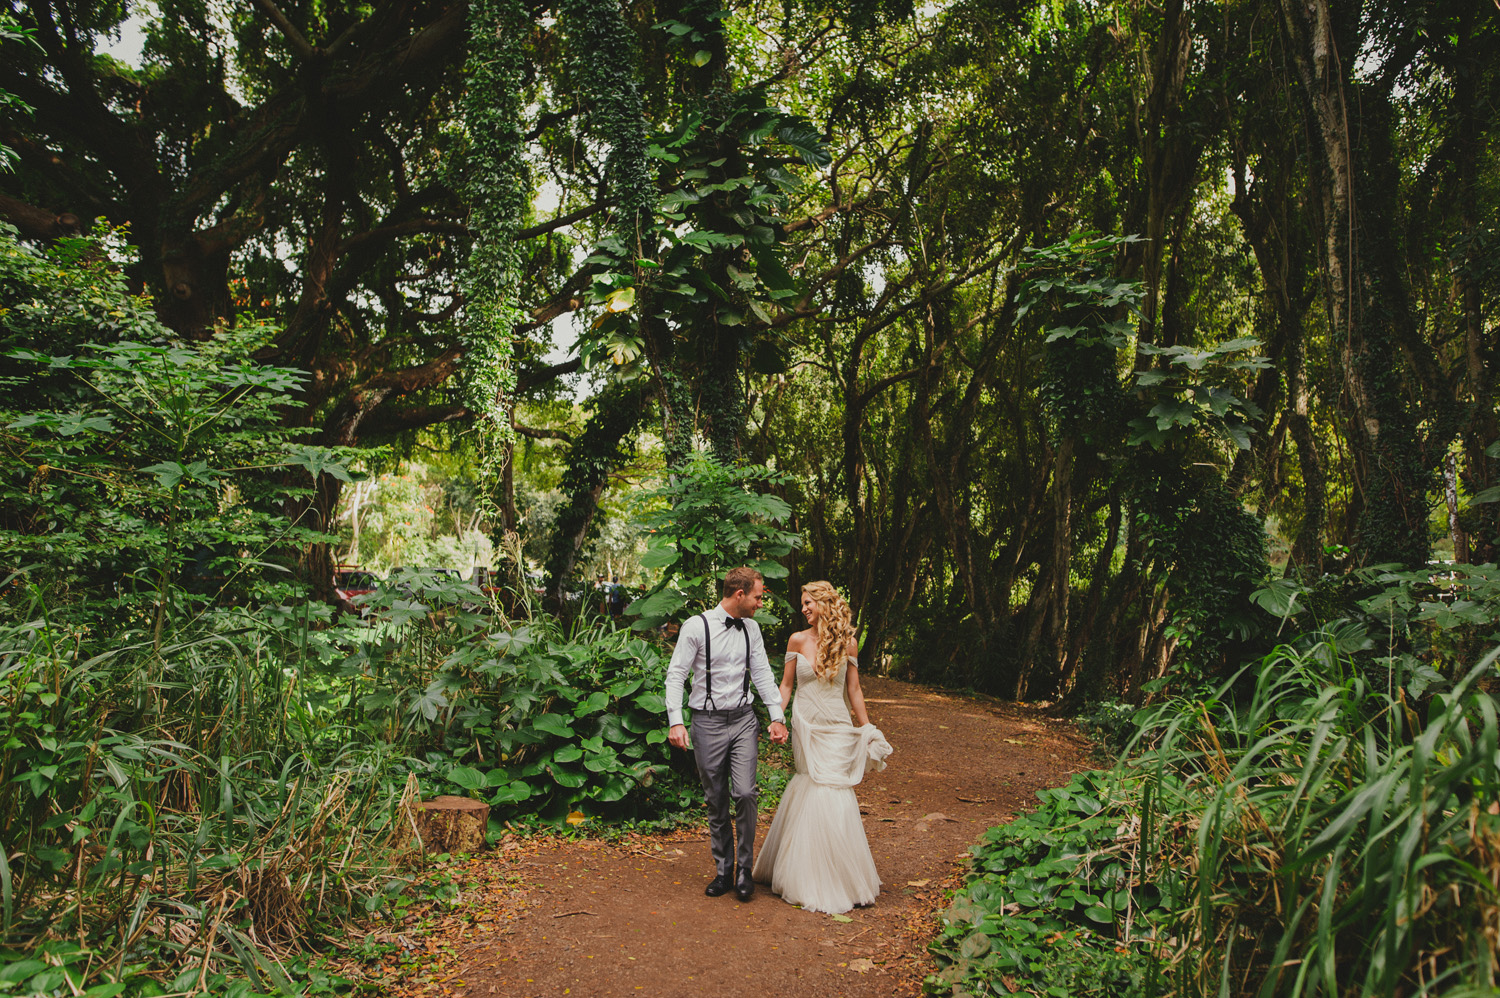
column 452, row 824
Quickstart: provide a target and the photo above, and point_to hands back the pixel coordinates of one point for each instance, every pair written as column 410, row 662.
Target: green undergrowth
column 1309, row 827
column 1054, row 904
column 207, row 773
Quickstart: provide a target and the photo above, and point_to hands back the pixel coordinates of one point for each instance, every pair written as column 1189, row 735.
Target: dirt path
column 595, row 920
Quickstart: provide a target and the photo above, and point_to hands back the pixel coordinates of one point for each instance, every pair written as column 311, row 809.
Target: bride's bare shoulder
column 799, row 640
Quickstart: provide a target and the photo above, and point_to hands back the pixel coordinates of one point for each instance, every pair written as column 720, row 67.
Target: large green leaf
column 662, row 604
column 612, row 788
column 553, row 724
column 625, row 687
column 640, row 722
column 567, row 777
column 605, row 762
column 594, row 703
column 514, row 792
column 468, row 778
column 612, row 728
column 660, row 555
column 805, row 140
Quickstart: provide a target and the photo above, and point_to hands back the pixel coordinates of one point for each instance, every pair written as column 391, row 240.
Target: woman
column 815, row 854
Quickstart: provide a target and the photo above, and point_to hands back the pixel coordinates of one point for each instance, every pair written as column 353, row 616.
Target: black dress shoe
column 717, row 887
column 744, row 887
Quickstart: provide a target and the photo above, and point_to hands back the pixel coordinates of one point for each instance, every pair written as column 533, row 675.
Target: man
column 723, row 651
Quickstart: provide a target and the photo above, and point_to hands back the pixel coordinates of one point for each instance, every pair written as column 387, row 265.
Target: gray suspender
column 708, row 666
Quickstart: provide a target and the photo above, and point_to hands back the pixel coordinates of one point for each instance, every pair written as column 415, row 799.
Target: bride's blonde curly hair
column 834, row 629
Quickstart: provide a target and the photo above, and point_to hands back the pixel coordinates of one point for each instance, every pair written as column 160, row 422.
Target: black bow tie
column 734, row 622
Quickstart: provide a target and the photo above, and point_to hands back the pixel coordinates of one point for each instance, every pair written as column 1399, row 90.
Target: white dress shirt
column 728, row 647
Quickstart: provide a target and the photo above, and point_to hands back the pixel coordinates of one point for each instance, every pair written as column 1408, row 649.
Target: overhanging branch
column 288, row 30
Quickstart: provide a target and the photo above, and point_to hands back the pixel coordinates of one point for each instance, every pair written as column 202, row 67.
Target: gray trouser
column 725, row 744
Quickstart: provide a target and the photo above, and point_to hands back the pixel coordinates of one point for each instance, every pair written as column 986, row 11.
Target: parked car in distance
column 349, row 583
column 354, row 582
column 486, row 579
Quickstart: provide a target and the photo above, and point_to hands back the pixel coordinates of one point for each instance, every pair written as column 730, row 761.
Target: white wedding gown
column 815, row 854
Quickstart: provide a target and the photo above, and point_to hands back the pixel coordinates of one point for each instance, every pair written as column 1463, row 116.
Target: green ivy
column 497, row 189
column 603, row 56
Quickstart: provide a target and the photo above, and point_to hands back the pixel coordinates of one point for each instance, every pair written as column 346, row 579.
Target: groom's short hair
column 742, row 579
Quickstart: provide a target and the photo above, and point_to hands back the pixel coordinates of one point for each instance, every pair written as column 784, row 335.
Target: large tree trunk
column 602, row 446
column 1098, row 582
column 1366, row 301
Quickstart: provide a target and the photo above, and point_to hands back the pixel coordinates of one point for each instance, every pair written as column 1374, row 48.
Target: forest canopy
column 1066, row 327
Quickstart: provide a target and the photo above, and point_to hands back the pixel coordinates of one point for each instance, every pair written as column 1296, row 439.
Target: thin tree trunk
column 1450, row 494
column 599, row 449
column 1062, row 555
column 1098, row 581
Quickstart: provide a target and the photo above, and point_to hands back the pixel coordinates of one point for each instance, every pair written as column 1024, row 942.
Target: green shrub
column 196, row 762
column 705, row 520
column 1343, row 842
column 533, row 717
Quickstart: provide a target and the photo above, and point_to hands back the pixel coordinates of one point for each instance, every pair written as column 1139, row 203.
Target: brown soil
column 596, row 920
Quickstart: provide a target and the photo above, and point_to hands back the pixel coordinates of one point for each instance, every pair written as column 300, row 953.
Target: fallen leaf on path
column 918, row 883
column 937, row 816
column 1015, row 741
column 862, row 965
column 841, row 918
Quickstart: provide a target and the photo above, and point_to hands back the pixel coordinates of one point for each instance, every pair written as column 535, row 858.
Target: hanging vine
column 497, row 189
column 604, row 61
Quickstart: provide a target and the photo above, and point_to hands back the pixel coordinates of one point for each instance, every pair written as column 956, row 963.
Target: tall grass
column 1306, row 829
column 1343, row 840
column 233, row 786
column 158, row 807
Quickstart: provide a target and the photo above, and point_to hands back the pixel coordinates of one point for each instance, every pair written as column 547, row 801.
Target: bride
column 815, row 854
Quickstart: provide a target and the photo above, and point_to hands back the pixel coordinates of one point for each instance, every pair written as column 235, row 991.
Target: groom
column 723, row 651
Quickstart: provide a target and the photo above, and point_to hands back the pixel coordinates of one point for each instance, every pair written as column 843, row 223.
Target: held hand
column 678, row 736
column 778, row 733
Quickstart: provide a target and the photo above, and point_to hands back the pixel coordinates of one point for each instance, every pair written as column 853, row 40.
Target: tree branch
column 537, row 433
column 386, row 420
column 288, row 30
column 344, row 424
column 396, row 230
column 38, row 223
column 563, row 220
column 536, row 377
column 868, row 395
column 813, row 221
